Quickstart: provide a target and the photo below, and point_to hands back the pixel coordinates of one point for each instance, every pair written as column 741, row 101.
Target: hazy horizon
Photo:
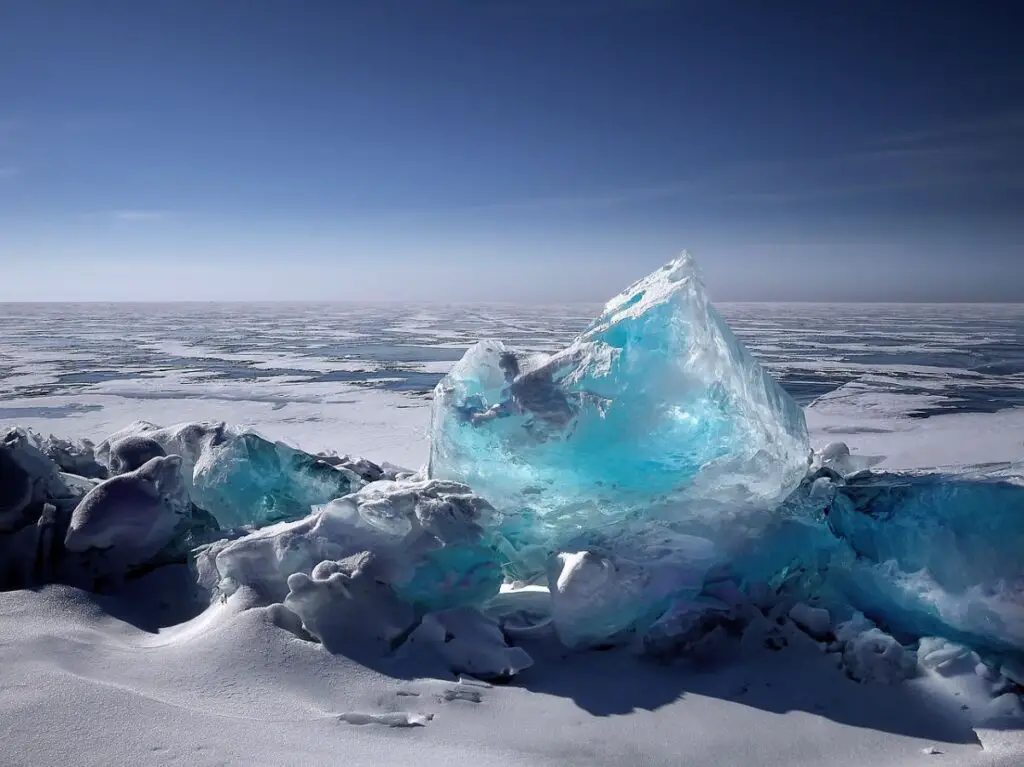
column 526, row 152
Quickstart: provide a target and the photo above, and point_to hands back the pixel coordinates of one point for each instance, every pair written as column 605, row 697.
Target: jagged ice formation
column 634, row 473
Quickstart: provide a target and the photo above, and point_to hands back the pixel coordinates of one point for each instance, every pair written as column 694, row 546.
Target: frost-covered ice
column 128, row 519
column 425, row 537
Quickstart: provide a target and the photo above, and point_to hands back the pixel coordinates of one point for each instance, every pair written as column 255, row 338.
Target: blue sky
column 509, row 150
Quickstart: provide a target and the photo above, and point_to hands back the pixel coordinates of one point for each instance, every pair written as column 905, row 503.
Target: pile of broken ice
column 652, row 476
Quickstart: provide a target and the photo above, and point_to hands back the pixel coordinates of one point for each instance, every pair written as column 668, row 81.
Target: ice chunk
column 248, row 480
column 127, row 520
column 945, row 657
column 390, row 719
column 655, row 410
column 76, row 458
column 366, row 469
column 30, row 556
column 814, row 620
column 17, row 487
column 349, row 605
column 521, row 610
column 28, row 480
column 684, row 627
column 129, row 453
column 871, row 655
column 239, row 477
column 598, row 593
column 837, row 457
column 429, row 533
column 187, row 440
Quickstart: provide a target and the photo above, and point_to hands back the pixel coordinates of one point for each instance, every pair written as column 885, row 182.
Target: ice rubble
column 649, row 475
column 425, row 537
column 928, row 553
column 130, row 518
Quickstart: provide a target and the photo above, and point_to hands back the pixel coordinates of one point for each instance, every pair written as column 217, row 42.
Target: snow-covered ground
column 82, row 687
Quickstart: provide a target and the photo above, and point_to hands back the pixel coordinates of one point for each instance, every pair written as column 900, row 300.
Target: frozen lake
column 357, row 378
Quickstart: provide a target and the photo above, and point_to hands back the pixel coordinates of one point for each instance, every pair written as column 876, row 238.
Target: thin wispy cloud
column 9, row 171
column 1004, row 125
column 141, row 215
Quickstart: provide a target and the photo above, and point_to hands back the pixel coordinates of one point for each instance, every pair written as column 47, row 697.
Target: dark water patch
column 960, row 360
column 94, row 377
column 48, row 411
column 393, row 353
column 390, row 379
column 973, row 399
column 1005, row 367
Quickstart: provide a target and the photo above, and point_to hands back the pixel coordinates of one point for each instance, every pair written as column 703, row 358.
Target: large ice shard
column 655, row 411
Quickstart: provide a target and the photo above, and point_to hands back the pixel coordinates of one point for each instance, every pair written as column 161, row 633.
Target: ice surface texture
column 656, row 409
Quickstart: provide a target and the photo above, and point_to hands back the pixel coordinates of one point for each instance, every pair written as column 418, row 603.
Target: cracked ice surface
column 655, row 411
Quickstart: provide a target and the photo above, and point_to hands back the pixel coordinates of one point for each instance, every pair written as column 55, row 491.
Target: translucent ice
column 926, row 554
column 239, row 477
column 248, row 480
column 934, row 554
column 655, row 410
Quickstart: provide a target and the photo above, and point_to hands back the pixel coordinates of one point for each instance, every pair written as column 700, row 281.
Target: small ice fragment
column 814, row 620
column 871, row 655
column 460, row 693
column 986, row 672
column 945, row 657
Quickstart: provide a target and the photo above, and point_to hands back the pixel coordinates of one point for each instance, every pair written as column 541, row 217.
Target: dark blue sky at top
column 530, row 150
